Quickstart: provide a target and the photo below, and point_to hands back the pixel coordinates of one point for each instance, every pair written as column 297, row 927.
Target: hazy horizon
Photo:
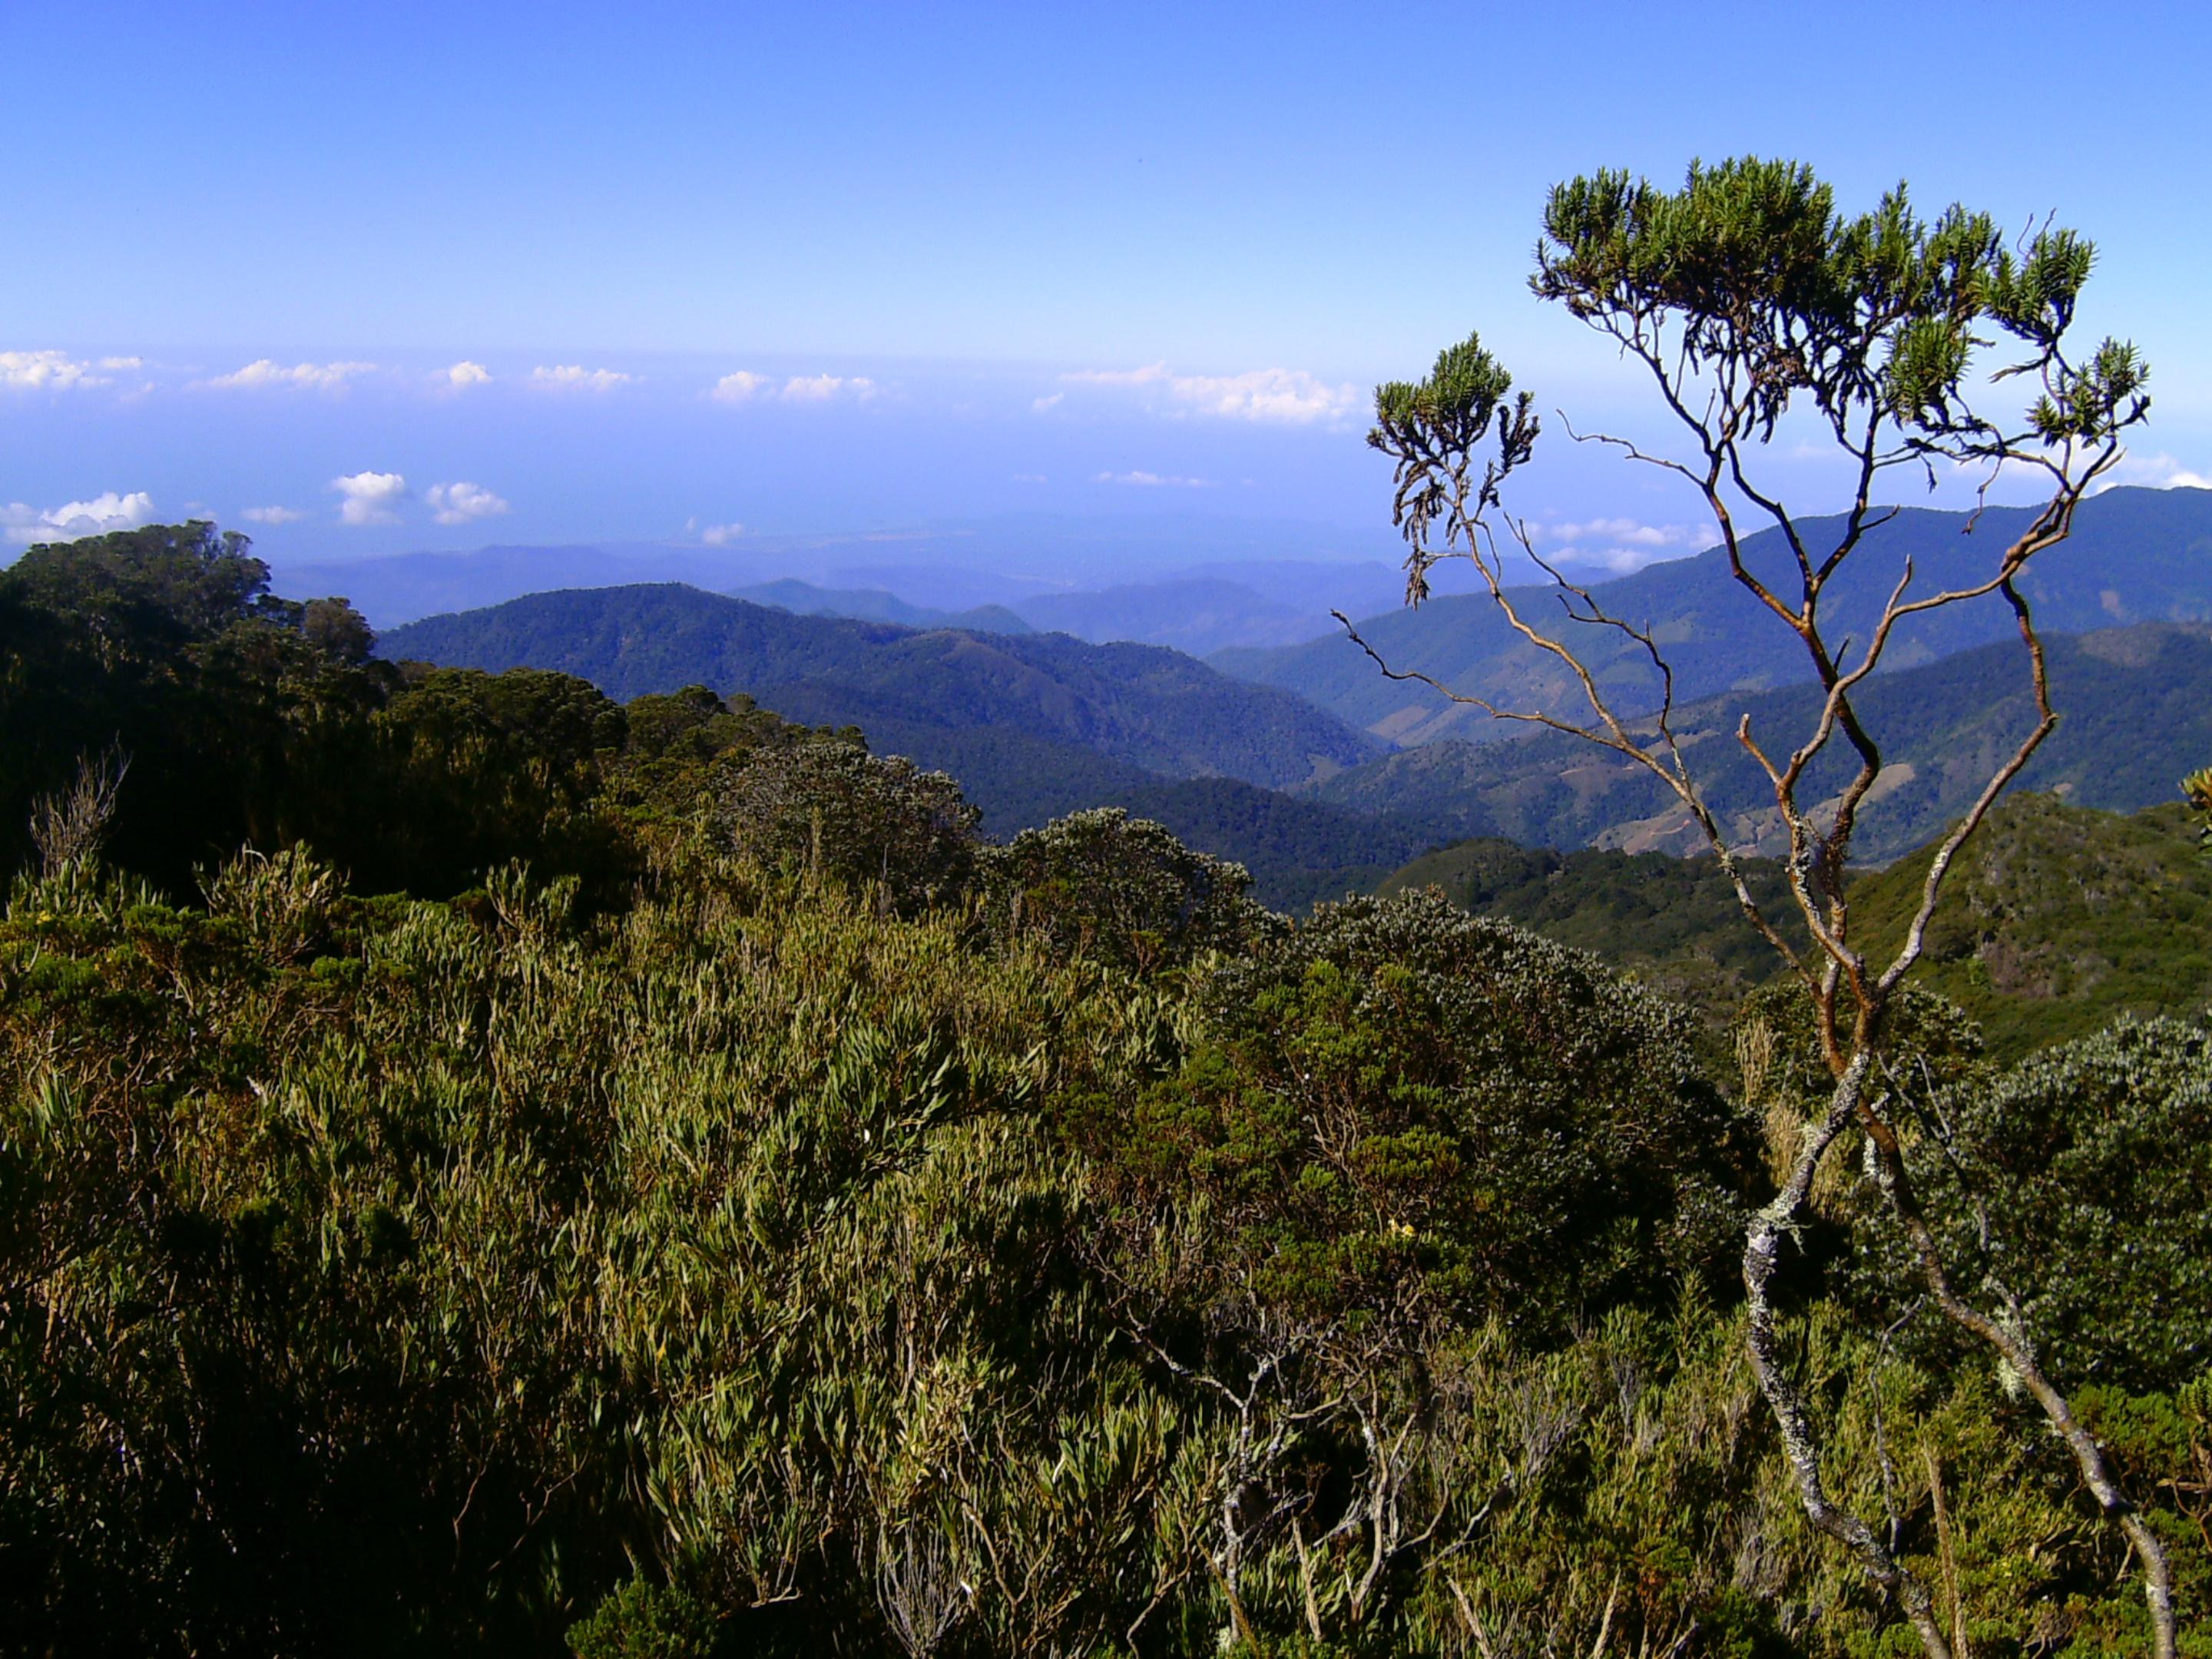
column 544, row 279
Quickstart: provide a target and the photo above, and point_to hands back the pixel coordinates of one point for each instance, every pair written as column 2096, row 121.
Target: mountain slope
column 876, row 604
column 2057, row 919
column 1194, row 614
column 2135, row 556
column 2135, row 713
column 396, row 588
column 1148, row 707
column 1634, row 908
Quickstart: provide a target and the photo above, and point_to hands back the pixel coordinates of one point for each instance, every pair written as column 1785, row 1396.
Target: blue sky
column 961, row 261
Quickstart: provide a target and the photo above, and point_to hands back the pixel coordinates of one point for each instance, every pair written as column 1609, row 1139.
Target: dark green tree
column 204, row 714
column 1759, row 312
column 831, row 808
column 139, row 591
column 1103, row 884
column 244, row 715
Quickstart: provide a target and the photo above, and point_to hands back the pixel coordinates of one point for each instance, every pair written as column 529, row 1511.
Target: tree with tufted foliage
column 1103, row 884
column 1760, row 315
column 832, row 809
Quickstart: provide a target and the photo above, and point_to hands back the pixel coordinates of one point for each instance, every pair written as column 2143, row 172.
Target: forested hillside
column 1151, row 707
column 1675, row 923
column 2135, row 556
column 224, row 717
column 688, row 1194
column 1068, row 726
column 2134, row 712
column 877, row 604
column 2058, row 920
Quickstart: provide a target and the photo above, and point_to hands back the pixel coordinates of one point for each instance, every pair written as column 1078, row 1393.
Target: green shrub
column 832, row 809
column 1398, row 1089
column 645, row 1621
column 1121, row 891
column 2078, row 1187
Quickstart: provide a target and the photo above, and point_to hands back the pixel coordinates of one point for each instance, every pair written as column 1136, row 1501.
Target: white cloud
column 272, row 515
column 465, row 373
column 819, row 388
column 2158, row 472
column 122, row 363
column 1039, row 406
column 575, row 377
column 744, row 386
column 1617, row 545
column 722, row 535
column 74, row 519
column 53, row 371
column 1621, row 560
column 1287, row 396
column 370, row 498
column 740, row 387
column 1152, row 481
column 1150, row 374
column 458, row 503
column 1631, row 531
column 265, row 371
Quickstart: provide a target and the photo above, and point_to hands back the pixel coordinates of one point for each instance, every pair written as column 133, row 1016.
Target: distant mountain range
column 878, row 605
column 393, row 589
column 1197, row 611
column 1198, row 584
column 2135, row 556
column 1036, row 725
column 1144, row 706
column 1192, row 614
column 2135, row 714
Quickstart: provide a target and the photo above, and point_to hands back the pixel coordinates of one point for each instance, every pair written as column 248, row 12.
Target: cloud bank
column 744, row 386
column 740, row 387
column 265, row 373
column 820, row 388
column 73, row 521
column 575, row 377
column 54, row 371
column 1284, row 396
column 1152, row 481
column 2158, row 472
column 1617, row 545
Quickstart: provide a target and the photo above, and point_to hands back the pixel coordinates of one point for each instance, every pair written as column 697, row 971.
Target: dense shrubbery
column 776, row 1222
column 1398, row 1101
column 1101, row 884
column 835, row 810
column 2082, row 1184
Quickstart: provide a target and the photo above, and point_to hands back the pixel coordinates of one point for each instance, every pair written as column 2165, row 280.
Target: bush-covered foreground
column 772, row 1221
column 759, row 1271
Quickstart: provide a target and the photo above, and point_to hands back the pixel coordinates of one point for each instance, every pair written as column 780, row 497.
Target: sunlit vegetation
column 487, row 1169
